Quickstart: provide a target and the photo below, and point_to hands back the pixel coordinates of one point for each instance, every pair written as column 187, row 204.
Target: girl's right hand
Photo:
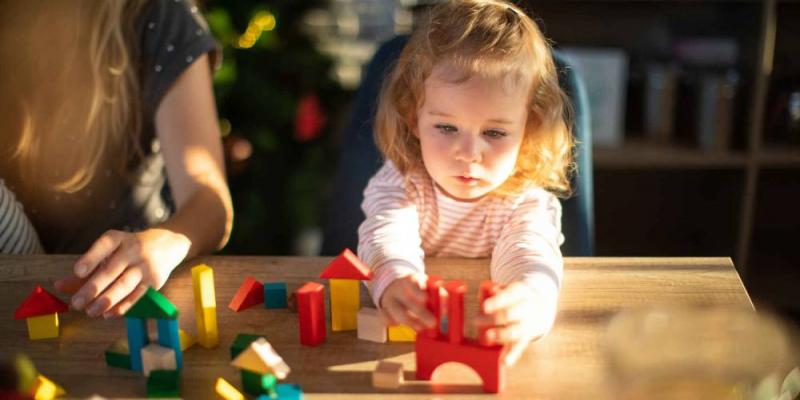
column 403, row 302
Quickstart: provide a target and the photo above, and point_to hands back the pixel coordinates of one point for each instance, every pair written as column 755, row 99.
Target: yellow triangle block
column 187, row 340
column 45, row 389
column 227, row 391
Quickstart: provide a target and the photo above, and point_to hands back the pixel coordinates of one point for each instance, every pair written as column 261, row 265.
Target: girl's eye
column 495, row 134
column 444, row 128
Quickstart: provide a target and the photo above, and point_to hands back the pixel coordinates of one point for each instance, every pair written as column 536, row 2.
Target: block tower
column 344, row 274
column 153, row 305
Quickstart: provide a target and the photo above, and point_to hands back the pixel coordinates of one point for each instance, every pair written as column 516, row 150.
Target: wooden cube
column 157, row 357
column 371, row 326
column 387, row 375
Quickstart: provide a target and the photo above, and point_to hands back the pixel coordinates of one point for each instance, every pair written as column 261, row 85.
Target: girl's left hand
column 120, row 266
column 515, row 316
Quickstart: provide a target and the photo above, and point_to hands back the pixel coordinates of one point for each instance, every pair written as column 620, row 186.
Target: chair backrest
column 360, row 159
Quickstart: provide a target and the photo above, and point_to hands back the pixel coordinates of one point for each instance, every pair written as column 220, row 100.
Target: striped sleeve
column 17, row 235
column 388, row 239
column 528, row 251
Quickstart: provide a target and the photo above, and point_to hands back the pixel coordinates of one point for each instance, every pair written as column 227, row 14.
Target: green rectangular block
column 241, row 342
column 164, row 383
column 257, row 384
column 118, row 360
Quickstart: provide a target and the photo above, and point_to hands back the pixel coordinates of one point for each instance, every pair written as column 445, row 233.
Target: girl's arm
column 119, row 266
column 527, row 259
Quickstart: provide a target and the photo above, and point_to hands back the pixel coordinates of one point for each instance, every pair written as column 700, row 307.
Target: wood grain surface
column 569, row 363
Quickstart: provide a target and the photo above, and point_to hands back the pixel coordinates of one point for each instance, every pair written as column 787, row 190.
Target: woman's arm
column 119, row 266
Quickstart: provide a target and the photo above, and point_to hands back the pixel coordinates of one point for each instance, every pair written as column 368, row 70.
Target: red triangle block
column 249, row 294
column 347, row 266
column 40, row 302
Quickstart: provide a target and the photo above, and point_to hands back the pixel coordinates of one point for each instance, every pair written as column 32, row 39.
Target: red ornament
column 309, row 119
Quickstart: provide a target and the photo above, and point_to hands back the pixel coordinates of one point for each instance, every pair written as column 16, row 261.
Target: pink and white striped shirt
column 410, row 218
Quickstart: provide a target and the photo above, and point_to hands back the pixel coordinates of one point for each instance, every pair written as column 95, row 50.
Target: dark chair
column 360, row 159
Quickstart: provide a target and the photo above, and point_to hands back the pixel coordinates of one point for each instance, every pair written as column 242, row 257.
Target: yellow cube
column 43, row 326
column 402, row 333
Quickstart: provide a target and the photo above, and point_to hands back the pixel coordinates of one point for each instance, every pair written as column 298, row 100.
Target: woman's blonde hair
column 76, row 89
column 487, row 38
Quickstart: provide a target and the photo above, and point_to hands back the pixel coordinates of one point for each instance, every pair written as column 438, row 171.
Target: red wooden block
column 487, row 289
column 486, row 361
column 39, row 302
column 455, row 310
column 249, row 294
column 311, row 312
column 434, row 304
column 347, row 266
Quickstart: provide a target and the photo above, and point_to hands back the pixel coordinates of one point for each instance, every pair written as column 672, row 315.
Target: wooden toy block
column 169, row 337
column 226, row 390
column 205, row 306
column 157, row 357
column 137, row 339
column 387, row 375
column 40, row 302
column 43, row 326
column 401, row 333
column 241, row 342
column 486, row 290
column 45, row 389
column 187, row 340
column 153, row 305
column 40, row 309
column 433, row 288
column 261, row 358
column 164, row 383
column 347, row 266
column 288, row 391
column 311, row 313
column 275, row 295
column 486, row 361
column 258, row 384
column 344, row 304
column 249, row 294
column 455, row 310
column 371, row 326
column 118, row 354
column 25, row 373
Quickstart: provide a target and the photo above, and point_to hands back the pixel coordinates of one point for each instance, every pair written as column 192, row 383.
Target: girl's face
column 470, row 133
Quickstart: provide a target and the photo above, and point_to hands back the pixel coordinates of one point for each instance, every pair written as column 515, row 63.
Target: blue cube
column 275, row 295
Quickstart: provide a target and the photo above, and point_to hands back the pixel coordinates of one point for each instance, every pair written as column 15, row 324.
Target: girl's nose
column 468, row 149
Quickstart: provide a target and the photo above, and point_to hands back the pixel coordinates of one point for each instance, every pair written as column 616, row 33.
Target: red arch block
column 486, row 361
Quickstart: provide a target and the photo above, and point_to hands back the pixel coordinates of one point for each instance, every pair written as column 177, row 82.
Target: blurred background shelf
column 643, row 155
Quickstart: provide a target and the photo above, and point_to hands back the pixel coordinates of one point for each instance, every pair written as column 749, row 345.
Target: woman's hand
column 403, row 302
column 120, row 266
column 515, row 316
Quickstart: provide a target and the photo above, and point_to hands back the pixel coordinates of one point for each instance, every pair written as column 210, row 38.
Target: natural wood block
column 157, row 357
column 388, row 375
column 371, row 326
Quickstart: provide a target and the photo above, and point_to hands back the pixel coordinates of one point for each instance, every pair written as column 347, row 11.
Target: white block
column 371, row 326
column 388, row 375
column 261, row 358
column 157, row 357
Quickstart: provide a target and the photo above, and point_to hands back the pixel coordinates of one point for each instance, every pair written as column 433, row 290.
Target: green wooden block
column 153, row 305
column 118, row 360
column 164, row 383
column 258, row 384
column 241, row 342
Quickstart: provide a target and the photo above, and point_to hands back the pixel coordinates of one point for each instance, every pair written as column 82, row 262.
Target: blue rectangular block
column 137, row 338
column 168, row 337
column 275, row 295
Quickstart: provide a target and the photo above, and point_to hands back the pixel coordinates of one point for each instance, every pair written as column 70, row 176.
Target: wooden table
column 567, row 364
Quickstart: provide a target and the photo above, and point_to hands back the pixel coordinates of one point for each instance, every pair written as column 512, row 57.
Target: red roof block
column 347, row 266
column 249, row 294
column 40, row 302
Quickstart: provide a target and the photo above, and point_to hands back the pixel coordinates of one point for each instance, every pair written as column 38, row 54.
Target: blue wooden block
column 275, row 295
column 168, row 337
column 288, row 391
column 137, row 338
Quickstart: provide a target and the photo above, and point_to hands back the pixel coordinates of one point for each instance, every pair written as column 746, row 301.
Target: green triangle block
column 153, row 305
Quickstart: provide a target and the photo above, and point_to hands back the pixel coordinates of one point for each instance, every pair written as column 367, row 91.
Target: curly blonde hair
column 488, row 38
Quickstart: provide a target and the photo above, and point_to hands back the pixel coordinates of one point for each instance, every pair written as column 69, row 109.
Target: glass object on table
column 701, row 353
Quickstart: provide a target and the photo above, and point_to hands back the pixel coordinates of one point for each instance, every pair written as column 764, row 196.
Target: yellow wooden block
column 344, row 304
column 43, row 326
column 187, row 340
column 402, row 333
column 227, row 391
column 45, row 389
column 205, row 306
